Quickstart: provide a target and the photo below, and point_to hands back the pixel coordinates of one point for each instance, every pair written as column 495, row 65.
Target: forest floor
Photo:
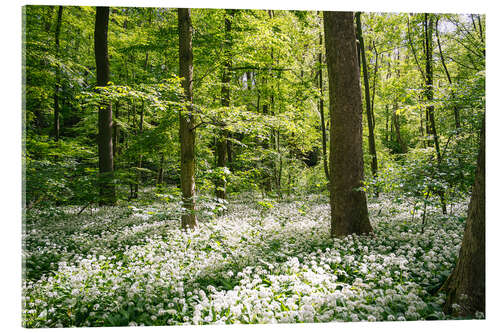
column 259, row 262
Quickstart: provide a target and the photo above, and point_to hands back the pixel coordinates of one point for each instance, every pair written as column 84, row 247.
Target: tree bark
column 429, row 77
column 429, row 93
column 107, row 194
column 221, row 145
column 322, row 110
column 369, row 112
column 139, row 162
column 160, row 170
column 57, row 87
column 187, row 131
column 468, row 277
column 116, row 131
column 349, row 212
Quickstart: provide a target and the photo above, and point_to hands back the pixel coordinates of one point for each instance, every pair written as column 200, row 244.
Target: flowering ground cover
column 259, row 262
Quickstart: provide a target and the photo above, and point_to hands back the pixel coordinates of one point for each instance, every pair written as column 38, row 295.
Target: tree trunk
column 160, row 170
column 105, row 140
column 468, row 277
column 187, row 131
column 116, row 131
column 386, row 136
column 221, row 145
column 349, row 212
column 397, row 128
column 429, row 89
column 429, row 93
column 58, row 76
column 369, row 111
column 456, row 112
column 230, row 153
column 139, row 162
column 322, row 110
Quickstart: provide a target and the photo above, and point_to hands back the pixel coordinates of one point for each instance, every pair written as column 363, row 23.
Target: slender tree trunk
column 349, row 212
column 116, row 131
column 160, row 170
column 374, row 85
column 221, row 145
column 429, row 93
column 403, row 149
column 229, row 153
column 267, row 183
column 386, row 137
column 107, row 194
column 187, row 132
column 280, row 165
column 221, row 162
column 139, row 162
column 322, row 109
column 456, row 112
column 429, row 77
column 468, row 277
column 369, row 111
column 58, row 76
column 480, row 28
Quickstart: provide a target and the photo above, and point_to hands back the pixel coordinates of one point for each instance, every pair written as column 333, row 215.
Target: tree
column 187, row 131
column 466, row 284
column 429, row 77
column 105, row 136
column 321, row 108
column 369, row 110
column 429, row 94
column 58, row 76
column 349, row 212
column 222, row 143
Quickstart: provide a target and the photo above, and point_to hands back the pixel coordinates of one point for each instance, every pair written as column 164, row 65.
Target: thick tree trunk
column 105, row 137
column 468, row 277
column 369, row 112
column 57, row 88
column 349, row 212
column 187, row 132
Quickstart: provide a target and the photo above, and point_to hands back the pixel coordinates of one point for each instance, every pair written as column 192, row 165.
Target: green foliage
column 272, row 121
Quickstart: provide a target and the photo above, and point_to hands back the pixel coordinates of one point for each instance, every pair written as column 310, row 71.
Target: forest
column 250, row 166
